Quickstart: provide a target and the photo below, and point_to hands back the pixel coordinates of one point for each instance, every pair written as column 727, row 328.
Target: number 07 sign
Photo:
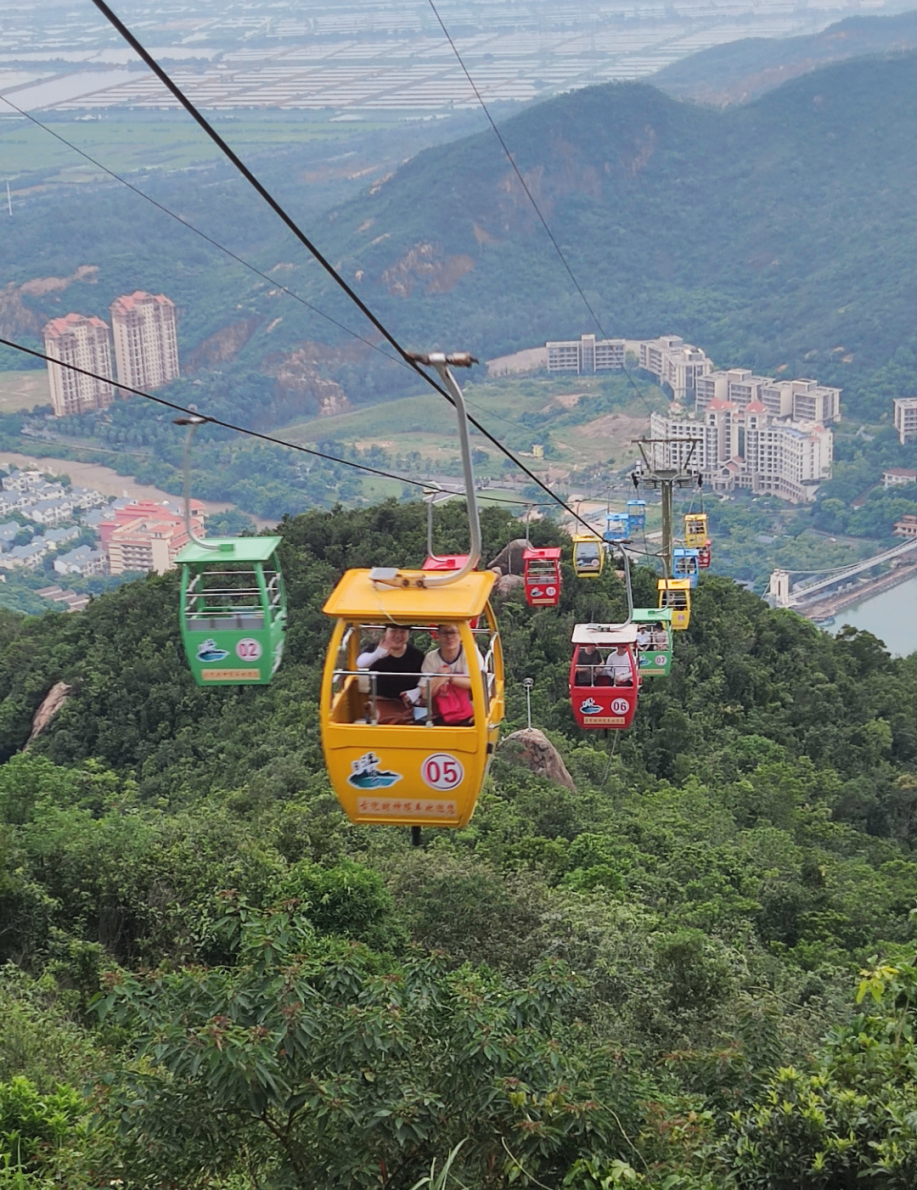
column 442, row 771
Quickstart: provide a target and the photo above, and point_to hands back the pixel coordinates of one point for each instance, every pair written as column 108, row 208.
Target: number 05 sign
column 442, row 771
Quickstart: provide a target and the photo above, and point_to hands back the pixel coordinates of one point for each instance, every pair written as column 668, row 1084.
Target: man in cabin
column 398, row 664
column 644, row 637
column 588, row 663
column 618, row 666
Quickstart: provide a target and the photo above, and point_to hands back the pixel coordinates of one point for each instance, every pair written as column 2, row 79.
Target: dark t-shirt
column 397, row 674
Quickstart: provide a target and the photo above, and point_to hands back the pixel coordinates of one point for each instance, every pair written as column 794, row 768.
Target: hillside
column 746, row 69
column 776, row 234
column 601, row 986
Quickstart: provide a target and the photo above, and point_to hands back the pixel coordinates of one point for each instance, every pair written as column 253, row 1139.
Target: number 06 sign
column 442, row 771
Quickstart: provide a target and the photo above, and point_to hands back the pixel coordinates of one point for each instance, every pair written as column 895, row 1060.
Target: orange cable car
column 604, row 675
column 705, row 555
column 541, row 571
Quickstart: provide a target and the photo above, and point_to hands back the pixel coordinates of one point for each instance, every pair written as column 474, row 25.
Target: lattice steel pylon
column 667, row 465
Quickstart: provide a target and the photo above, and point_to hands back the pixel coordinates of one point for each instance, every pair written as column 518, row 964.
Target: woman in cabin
column 448, row 677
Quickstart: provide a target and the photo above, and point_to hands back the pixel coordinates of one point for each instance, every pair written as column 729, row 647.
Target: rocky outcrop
column 532, row 749
column 51, row 704
column 426, row 265
column 509, row 559
column 506, row 585
column 301, row 375
column 222, row 345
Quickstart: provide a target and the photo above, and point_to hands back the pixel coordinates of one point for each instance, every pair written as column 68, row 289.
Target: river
column 890, row 615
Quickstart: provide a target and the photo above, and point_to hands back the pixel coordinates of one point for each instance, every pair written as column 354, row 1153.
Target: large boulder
column 51, row 704
column 506, row 584
column 532, row 748
column 509, row 559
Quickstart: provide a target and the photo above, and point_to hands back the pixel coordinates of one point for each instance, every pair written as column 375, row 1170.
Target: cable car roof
column 651, row 615
column 673, row 584
column 445, row 562
column 592, row 538
column 604, row 634
column 549, row 553
column 230, row 549
column 357, row 597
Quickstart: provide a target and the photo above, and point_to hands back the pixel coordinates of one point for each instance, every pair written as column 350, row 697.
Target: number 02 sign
column 442, row 771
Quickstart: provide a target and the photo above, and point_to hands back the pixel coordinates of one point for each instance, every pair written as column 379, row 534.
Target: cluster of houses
column 60, row 514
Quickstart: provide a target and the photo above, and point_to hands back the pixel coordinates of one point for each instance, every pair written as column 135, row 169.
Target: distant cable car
column 685, row 564
column 695, row 529
column 617, row 527
column 675, row 593
column 636, row 514
column 233, row 612
column 604, row 677
column 429, row 771
column 541, row 571
column 654, row 640
column 704, row 555
column 588, row 555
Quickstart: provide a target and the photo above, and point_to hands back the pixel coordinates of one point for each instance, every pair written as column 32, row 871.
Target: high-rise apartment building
column 146, row 347
column 906, row 419
column 84, row 343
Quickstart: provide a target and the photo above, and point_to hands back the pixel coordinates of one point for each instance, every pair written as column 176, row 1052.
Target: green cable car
column 233, row 610
column 654, row 640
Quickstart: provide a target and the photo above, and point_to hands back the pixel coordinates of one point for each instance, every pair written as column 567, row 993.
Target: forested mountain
column 742, row 70
column 777, row 235
column 213, row 979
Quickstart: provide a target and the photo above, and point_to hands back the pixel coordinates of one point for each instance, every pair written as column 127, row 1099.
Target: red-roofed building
column 146, row 347
column 147, row 536
column 84, row 343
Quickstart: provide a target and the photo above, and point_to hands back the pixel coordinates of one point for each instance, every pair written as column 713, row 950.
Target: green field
column 23, row 390
column 127, row 142
column 582, row 421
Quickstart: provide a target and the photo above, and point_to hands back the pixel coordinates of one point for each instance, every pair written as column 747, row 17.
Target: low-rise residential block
column 146, row 536
column 83, row 560
column 898, row 477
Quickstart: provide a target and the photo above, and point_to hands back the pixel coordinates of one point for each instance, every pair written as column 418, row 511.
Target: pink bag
column 453, row 704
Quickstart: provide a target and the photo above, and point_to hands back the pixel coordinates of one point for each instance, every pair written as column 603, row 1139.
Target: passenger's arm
column 365, row 660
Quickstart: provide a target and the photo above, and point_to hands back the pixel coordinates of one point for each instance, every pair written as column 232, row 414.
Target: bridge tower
column 779, row 588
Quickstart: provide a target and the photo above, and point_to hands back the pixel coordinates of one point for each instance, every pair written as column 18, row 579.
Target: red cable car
column 604, row 675
column 542, row 576
column 446, row 562
column 704, row 555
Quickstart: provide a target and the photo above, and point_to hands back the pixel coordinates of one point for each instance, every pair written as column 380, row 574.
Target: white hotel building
column 748, row 447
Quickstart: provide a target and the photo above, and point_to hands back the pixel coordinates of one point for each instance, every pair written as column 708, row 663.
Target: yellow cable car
column 695, row 529
column 588, row 555
column 412, row 774
column 676, row 594
column 423, row 760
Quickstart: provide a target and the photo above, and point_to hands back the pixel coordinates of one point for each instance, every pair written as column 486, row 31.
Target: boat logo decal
column 590, row 707
column 208, row 650
column 366, row 774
